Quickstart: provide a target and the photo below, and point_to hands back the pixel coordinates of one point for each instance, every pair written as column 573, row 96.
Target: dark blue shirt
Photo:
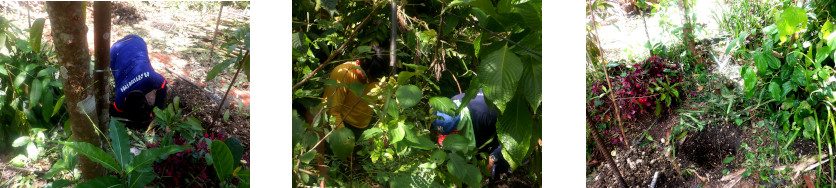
column 132, row 70
column 484, row 119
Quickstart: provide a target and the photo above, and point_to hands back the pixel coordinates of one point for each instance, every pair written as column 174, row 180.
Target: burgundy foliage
column 632, row 92
column 187, row 168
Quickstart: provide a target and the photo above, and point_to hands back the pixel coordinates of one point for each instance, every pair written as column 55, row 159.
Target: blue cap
column 446, row 123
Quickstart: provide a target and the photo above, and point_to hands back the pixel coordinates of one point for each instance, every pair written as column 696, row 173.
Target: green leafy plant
column 33, row 144
column 172, row 117
column 132, row 171
column 32, row 94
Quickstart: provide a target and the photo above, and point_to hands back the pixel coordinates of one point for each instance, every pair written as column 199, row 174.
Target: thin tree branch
column 340, row 49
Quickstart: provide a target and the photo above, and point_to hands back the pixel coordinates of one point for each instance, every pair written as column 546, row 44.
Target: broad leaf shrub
column 795, row 80
column 647, row 86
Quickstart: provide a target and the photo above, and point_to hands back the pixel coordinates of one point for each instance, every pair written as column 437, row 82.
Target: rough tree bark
column 69, row 34
column 101, row 34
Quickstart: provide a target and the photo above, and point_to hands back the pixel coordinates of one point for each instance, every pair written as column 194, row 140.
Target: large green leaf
column 147, row 157
column 826, row 29
column 236, row 149
column 408, row 95
column 36, row 33
column 775, row 91
column 417, row 141
column 20, row 141
column 46, row 72
column 456, row 142
column 799, row 76
column 443, row 104
column 532, row 83
column 532, row 13
column 95, row 154
column 298, row 40
column 789, row 20
column 58, row 105
column 484, row 5
column 821, row 55
column 749, row 80
column 47, row 104
column 397, row 133
column 19, row 79
column 141, row 177
column 404, row 76
column 831, row 41
column 787, row 87
column 468, row 173
column 120, row 143
column 101, row 182
column 514, row 131
column 342, row 142
column 217, row 69
column 373, row 132
column 244, row 175
column 221, row 159
column 499, row 74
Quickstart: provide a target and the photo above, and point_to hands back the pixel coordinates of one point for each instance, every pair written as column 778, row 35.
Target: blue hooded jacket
column 132, row 70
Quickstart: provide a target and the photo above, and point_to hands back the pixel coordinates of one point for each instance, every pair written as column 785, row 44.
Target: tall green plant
column 30, row 93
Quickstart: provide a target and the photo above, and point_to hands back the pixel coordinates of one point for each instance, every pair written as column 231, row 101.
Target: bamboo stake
column 215, row 34
column 609, row 84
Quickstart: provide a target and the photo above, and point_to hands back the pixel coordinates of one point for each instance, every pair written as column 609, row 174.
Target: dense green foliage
column 793, row 74
column 30, row 93
column 441, row 52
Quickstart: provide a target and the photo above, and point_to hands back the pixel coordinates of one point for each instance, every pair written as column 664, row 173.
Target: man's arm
column 160, row 99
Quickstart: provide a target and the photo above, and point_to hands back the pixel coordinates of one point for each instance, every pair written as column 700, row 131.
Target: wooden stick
column 609, row 84
column 215, row 34
column 231, row 84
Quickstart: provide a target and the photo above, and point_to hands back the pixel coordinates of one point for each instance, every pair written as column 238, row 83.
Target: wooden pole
column 101, row 42
column 609, row 85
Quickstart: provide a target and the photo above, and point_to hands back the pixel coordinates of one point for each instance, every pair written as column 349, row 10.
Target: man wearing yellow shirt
column 348, row 109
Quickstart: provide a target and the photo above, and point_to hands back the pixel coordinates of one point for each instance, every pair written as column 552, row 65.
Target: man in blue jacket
column 477, row 123
column 137, row 85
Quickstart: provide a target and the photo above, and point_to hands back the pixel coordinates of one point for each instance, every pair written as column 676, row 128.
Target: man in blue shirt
column 136, row 82
column 477, row 122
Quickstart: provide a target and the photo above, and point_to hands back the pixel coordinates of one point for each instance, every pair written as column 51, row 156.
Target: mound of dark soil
column 125, row 14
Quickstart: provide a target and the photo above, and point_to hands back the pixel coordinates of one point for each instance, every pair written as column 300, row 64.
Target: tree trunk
column 101, row 31
column 687, row 32
column 69, row 35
